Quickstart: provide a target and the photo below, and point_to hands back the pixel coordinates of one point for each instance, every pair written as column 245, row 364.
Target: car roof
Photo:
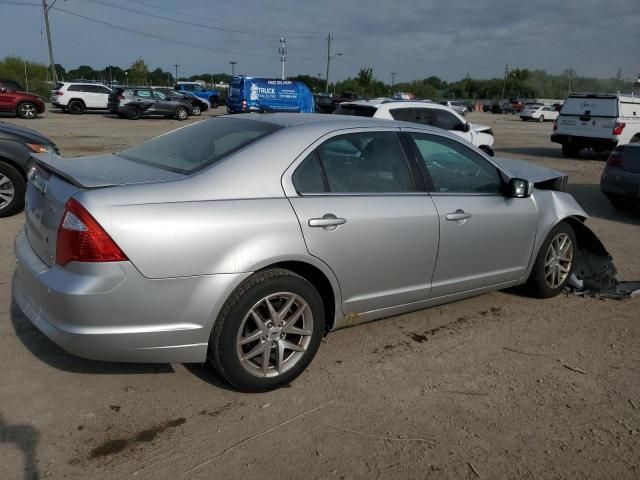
column 330, row 122
column 84, row 83
column 378, row 102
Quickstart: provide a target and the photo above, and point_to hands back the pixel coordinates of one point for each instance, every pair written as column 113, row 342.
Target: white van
column 597, row 121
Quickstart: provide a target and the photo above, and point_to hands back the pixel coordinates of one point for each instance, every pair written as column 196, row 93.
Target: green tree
column 138, row 73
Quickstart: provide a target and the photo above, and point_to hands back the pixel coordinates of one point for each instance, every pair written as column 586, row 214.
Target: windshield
column 197, row 146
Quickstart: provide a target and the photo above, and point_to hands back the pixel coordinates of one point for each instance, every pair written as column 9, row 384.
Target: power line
column 184, row 22
column 200, row 17
column 167, row 39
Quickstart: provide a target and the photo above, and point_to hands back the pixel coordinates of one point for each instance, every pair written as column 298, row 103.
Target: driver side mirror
column 463, row 127
column 519, row 188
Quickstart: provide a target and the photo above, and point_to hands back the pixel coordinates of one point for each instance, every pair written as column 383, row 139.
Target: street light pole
column 45, row 9
column 233, row 68
column 393, row 79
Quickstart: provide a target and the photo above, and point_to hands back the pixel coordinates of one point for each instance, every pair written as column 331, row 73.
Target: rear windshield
column 197, row 146
column 356, row 110
column 600, row 107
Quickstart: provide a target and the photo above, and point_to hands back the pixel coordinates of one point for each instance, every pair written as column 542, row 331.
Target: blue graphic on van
column 253, row 94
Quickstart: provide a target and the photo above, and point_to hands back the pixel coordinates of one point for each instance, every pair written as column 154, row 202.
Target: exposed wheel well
column 319, row 281
column 14, row 165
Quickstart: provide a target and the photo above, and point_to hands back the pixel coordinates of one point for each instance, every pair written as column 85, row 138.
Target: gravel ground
column 498, row 386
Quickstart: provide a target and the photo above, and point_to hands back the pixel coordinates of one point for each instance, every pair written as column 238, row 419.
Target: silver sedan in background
column 242, row 240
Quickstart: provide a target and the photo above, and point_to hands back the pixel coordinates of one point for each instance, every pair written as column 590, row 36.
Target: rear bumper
column 108, row 311
column 616, row 182
column 584, row 142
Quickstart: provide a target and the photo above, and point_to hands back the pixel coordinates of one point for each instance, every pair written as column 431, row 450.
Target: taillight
column 618, row 128
column 120, row 97
column 82, row 239
column 58, row 92
column 615, row 159
column 555, row 125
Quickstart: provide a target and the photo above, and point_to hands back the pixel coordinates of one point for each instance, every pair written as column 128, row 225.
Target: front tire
column 134, row 113
column 268, row 331
column 27, row 110
column 554, row 264
column 196, row 110
column 12, row 190
column 541, row 118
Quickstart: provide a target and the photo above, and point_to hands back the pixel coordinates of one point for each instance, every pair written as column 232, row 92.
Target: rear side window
column 402, row 114
column 74, row 88
column 371, row 162
column 356, row 110
column 142, row 93
column 190, row 149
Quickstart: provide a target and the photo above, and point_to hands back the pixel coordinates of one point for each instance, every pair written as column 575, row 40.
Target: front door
column 363, row 214
column 486, row 238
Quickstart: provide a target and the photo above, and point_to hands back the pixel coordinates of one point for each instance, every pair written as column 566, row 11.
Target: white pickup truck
column 597, row 121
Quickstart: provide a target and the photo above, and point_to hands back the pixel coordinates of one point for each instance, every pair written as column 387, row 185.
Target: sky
column 414, row 38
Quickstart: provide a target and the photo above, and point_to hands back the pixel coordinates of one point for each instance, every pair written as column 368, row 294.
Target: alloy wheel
column 27, row 110
column 275, row 334
column 558, row 260
column 7, row 191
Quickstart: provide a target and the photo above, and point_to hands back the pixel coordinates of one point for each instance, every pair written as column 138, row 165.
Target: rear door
column 143, row 99
column 591, row 116
column 365, row 214
column 486, row 239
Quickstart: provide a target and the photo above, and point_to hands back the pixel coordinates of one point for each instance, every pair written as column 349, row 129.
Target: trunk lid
column 104, row 170
column 630, row 157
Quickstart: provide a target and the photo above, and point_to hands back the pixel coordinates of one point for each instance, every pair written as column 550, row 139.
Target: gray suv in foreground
column 243, row 239
column 137, row 102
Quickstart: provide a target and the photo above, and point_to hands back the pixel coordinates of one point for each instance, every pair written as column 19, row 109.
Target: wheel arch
column 77, row 100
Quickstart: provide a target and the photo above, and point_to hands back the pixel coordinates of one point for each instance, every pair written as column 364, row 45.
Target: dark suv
column 17, row 102
column 17, row 145
column 137, row 102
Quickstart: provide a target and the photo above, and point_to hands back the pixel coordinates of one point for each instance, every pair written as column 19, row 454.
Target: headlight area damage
column 594, row 272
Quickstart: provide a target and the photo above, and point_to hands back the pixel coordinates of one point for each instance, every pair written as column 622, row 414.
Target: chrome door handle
column 458, row 215
column 328, row 221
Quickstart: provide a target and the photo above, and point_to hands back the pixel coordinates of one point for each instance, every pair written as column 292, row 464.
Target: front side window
column 455, row 168
column 143, row 93
column 356, row 163
column 159, row 95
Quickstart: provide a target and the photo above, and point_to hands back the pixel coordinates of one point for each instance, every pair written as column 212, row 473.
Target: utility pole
column 283, row 53
column 326, row 87
column 393, row 80
column 45, row 9
column 176, row 65
column 618, row 79
column 570, row 77
column 233, row 68
column 504, row 81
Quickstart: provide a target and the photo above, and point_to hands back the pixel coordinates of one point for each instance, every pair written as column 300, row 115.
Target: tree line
column 519, row 83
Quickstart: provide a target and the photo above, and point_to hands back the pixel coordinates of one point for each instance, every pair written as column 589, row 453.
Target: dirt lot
column 499, row 386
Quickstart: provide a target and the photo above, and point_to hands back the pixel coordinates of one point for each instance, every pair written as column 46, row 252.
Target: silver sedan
column 242, row 240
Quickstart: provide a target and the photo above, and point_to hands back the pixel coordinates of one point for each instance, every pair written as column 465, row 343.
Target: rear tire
column 27, row 110
column 12, row 190
column 213, row 101
column 196, row 110
column 76, row 107
column 569, row 150
column 237, row 333
column 541, row 118
column 133, row 113
column 554, row 264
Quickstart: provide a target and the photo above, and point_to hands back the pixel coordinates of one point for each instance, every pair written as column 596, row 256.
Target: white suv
column 597, row 121
column 422, row 112
column 76, row 98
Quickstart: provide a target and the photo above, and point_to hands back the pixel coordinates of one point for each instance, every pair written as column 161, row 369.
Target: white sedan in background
column 539, row 113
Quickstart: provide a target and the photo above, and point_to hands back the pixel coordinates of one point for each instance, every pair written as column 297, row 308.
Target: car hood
column 104, row 170
column 24, row 133
column 542, row 177
column 481, row 128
